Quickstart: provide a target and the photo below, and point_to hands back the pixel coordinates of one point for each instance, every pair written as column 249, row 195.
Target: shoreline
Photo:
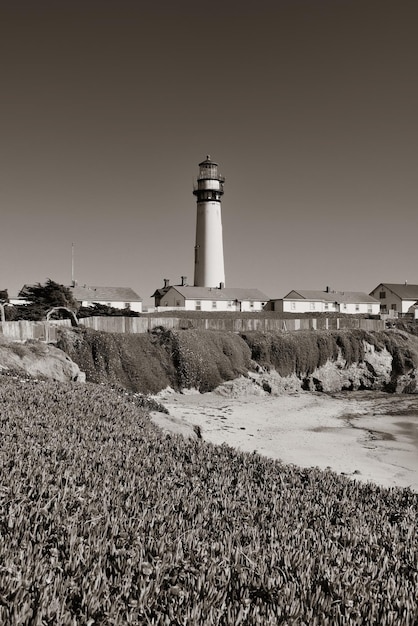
column 369, row 436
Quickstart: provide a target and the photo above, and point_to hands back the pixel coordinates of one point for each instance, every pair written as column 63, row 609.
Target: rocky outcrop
column 374, row 372
column 336, row 360
column 38, row 360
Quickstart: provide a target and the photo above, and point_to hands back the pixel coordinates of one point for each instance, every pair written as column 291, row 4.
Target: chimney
column 327, row 290
column 406, row 282
column 183, row 281
column 221, row 285
column 166, row 282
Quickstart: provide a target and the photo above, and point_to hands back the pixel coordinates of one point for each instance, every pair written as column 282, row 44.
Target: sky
column 308, row 106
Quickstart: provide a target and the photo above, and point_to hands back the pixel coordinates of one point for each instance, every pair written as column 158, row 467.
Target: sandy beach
column 368, row 436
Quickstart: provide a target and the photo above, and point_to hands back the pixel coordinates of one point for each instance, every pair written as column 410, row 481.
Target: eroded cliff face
column 374, row 372
column 337, row 360
column 273, row 362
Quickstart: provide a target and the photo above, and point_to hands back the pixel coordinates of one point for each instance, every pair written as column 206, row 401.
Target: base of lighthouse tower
column 209, row 270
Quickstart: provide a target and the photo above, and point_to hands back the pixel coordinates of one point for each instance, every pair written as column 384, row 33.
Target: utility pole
column 72, row 265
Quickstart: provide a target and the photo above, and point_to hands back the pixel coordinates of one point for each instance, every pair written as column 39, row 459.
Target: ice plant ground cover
column 106, row 520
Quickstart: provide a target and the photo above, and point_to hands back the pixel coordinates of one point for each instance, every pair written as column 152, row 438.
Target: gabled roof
column 160, row 292
column 92, row 293
column 226, row 293
column 347, row 297
column 405, row 292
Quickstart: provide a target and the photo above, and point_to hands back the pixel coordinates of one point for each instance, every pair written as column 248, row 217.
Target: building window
column 177, row 302
column 128, row 306
column 357, row 308
column 251, row 305
column 214, row 304
column 198, row 305
column 326, row 306
column 293, row 306
column 312, row 306
column 393, row 307
column 345, row 306
column 369, row 308
column 382, row 295
column 230, row 304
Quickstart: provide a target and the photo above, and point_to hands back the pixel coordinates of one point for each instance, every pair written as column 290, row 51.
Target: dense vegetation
column 406, row 324
column 303, row 351
column 205, row 358
column 150, row 362
column 104, row 310
column 105, row 520
column 42, row 298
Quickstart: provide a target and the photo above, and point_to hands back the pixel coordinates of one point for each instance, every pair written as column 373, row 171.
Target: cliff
column 336, row 360
column 323, row 361
column 326, row 361
column 150, row 362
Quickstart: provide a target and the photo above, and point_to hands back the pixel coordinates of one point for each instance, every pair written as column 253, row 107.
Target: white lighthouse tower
column 209, row 254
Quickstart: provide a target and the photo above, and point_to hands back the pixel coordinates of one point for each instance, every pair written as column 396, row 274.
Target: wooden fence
column 47, row 331
column 25, row 329
column 145, row 324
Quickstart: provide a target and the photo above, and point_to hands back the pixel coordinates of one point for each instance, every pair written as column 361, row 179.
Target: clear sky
column 309, row 107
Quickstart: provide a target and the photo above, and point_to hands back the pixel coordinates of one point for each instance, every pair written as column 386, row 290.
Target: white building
column 397, row 298
column 188, row 298
column 328, row 301
column 116, row 297
column 209, row 270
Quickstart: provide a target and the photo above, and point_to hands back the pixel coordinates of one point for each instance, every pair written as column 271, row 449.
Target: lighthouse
column 209, row 255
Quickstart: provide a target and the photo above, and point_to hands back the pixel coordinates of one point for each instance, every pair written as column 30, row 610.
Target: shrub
column 152, row 361
column 298, row 352
column 205, row 359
